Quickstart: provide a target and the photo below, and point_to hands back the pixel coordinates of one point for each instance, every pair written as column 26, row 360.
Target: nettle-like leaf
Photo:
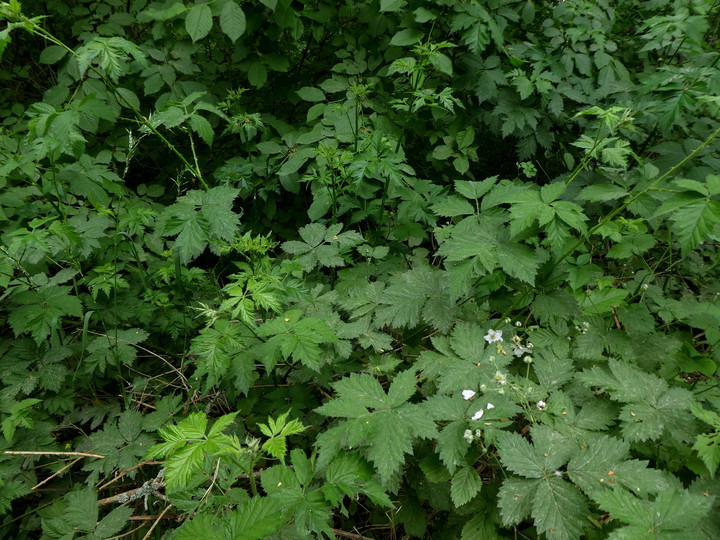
column 291, row 488
column 672, row 514
column 420, row 294
column 200, row 218
column 40, row 312
column 81, row 515
column 111, row 54
column 482, row 244
column 187, row 443
column 693, row 211
column 707, row 445
column 219, row 351
column 112, row 349
column 122, row 442
column 603, row 464
column 293, row 335
column 383, row 425
column 278, row 431
column 557, row 507
column 321, row 246
column 651, row 408
column 464, row 360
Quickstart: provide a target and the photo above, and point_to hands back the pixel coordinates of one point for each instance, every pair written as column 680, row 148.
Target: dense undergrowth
column 366, row 269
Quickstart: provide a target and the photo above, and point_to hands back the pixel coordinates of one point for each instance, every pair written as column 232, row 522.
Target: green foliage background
column 390, row 268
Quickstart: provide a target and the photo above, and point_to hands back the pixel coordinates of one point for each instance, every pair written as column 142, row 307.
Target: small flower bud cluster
column 584, row 328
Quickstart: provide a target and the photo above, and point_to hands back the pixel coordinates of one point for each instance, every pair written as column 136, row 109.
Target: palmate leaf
column 39, row 312
column 416, row 295
column 199, row 218
column 673, row 514
column 461, row 360
column 558, row 508
column 651, row 407
column 603, row 463
column 296, row 337
column 217, row 348
column 387, row 429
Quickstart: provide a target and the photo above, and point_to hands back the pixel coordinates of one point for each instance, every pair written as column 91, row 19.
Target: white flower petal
column 489, row 406
column 468, row 394
column 478, row 415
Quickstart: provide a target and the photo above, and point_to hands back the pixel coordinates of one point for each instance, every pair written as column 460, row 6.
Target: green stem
column 652, row 186
column 197, row 172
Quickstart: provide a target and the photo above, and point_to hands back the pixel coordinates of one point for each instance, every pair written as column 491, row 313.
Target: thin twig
column 152, row 528
column 123, row 535
column 350, row 535
column 34, row 453
column 60, row 471
column 145, row 517
column 156, row 355
column 123, row 473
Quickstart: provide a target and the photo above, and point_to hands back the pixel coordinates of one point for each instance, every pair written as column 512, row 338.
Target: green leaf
column 113, row 523
column 560, row 510
column 403, row 387
column 406, row 37
column 180, row 467
column 465, row 484
column 391, row 5
column 310, row 93
column 668, row 515
column 39, row 312
column 388, row 432
column 232, row 20
column 198, row 22
column 515, row 499
column 453, row 206
column 420, row 293
column 82, row 509
column 255, row 519
column 603, row 300
column 519, row 261
column 257, row 74
column 444, row 65
column 221, row 424
column 202, row 127
column 693, row 216
column 52, row 54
